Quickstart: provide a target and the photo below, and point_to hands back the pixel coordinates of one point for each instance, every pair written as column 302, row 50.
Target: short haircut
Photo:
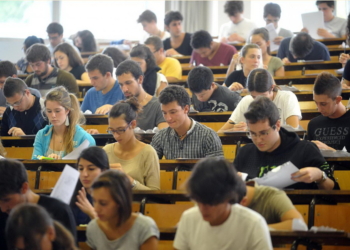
column 172, row 16
column 214, row 180
column 327, row 84
column 116, row 54
column 120, row 189
column 272, row 9
column 14, row 86
column 143, row 52
column 329, row 3
column 175, row 93
column 38, row 52
column 200, row 78
column 233, row 7
column 7, row 69
column 301, row 45
column 201, row 39
column 30, row 40
column 129, row 66
column 262, row 109
column 147, row 16
column 54, row 28
column 156, row 42
column 101, row 62
column 259, row 80
column 12, row 176
column 74, row 58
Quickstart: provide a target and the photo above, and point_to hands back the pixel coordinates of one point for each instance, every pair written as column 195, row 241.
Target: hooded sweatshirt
column 301, row 153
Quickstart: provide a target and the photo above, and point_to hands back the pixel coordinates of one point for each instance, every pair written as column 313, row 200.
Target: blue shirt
column 95, row 99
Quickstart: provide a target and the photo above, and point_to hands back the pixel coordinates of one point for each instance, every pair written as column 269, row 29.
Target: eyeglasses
column 262, row 134
column 16, row 104
column 118, row 131
column 53, row 38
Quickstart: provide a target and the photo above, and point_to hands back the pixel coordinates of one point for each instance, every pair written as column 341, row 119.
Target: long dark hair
column 74, row 58
column 143, row 52
column 88, row 43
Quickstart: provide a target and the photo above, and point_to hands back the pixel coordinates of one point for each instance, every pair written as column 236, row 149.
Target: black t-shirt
column 346, row 73
column 236, row 76
column 301, row 153
column 333, row 132
column 58, row 210
column 78, row 71
column 221, row 100
column 184, row 49
column 30, row 121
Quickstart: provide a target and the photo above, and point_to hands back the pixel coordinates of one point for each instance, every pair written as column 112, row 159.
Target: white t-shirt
column 243, row 28
column 337, row 26
column 286, row 102
column 244, row 229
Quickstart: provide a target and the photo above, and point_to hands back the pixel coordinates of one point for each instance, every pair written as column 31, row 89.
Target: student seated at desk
column 149, row 23
column 218, row 221
column 273, row 64
column 45, row 77
column 117, row 227
column 179, row 42
column 170, row 67
column 31, row 226
column 302, row 47
column 85, row 41
column 24, row 115
column 153, row 82
column 91, row 163
column 66, row 58
column 22, row 64
column 208, row 95
column 272, row 204
column 251, row 58
column 14, row 190
column 261, row 83
column 272, row 14
column 117, row 56
column 184, row 138
column 106, row 90
column 330, row 130
column 64, row 134
column 210, row 53
column 273, row 146
column 138, row 160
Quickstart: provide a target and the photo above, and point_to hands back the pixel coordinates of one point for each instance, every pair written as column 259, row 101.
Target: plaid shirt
column 200, row 142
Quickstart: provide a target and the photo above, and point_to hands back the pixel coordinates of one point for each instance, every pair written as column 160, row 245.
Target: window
column 108, row 19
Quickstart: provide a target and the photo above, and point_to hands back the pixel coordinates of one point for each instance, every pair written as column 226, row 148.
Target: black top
column 301, row 153
column 184, row 49
column 346, row 73
column 78, row 71
column 56, row 208
column 236, row 76
column 150, row 80
column 333, row 132
column 30, row 121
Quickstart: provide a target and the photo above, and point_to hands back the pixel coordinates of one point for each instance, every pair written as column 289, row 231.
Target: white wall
column 11, row 49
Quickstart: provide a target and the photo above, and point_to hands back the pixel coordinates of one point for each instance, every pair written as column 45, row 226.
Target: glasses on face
column 262, row 134
column 53, row 38
column 272, row 20
column 118, row 131
column 16, row 104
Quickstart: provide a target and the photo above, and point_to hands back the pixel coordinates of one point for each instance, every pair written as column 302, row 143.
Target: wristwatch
column 324, row 178
column 133, row 184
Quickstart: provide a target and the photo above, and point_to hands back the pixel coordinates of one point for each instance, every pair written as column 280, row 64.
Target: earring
column 67, row 121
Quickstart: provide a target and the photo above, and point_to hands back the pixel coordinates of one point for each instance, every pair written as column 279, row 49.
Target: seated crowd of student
column 135, row 93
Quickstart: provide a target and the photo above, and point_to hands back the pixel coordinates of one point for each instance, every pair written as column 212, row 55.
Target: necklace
column 181, row 137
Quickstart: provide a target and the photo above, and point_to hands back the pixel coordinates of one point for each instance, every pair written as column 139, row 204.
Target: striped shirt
column 200, row 142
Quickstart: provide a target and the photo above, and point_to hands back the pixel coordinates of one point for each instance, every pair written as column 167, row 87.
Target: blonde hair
column 70, row 102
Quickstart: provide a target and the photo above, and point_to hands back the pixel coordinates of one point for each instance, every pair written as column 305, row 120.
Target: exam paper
column 65, row 185
column 74, row 155
column 279, row 177
column 272, row 35
column 313, row 21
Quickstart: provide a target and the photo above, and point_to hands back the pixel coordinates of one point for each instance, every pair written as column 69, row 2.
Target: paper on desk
column 313, row 21
column 74, row 155
column 279, row 177
column 65, row 185
column 272, row 35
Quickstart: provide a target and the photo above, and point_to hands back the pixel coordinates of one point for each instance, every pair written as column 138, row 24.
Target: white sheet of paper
column 313, row 21
column 279, row 177
column 65, row 185
column 74, row 155
column 272, row 35
column 299, row 225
